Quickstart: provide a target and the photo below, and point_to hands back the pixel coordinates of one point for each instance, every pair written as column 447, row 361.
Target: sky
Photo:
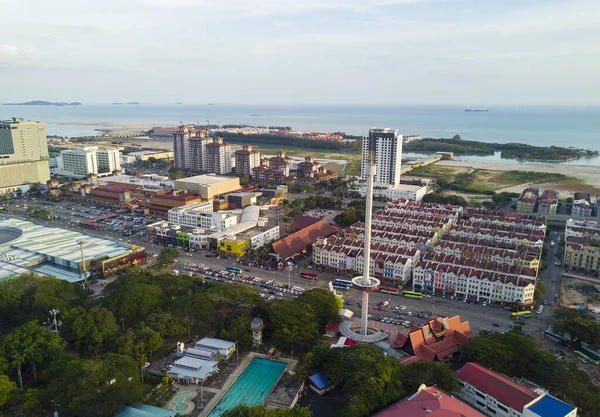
column 488, row 52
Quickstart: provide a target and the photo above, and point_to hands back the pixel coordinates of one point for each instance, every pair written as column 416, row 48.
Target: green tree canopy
column 90, row 332
column 580, row 325
column 293, row 328
column 430, row 373
column 324, row 305
column 260, row 411
column 167, row 257
column 30, row 345
column 7, row 387
column 95, row 387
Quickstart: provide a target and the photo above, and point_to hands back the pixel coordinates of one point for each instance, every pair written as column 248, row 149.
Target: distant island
column 44, row 103
column 134, row 102
column 507, row 150
column 117, row 104
column 178, row 102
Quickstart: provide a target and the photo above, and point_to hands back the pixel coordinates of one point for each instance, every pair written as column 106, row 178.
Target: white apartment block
column 86, row 160
column 260, row 239
column 201, row 215
column 218, row 159
column 385, row 147
column 391, row 192
column 80, row 162
column 108, row 160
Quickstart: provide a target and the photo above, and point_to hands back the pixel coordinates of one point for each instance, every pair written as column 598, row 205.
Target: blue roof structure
column 548, row 406
column 320, row 380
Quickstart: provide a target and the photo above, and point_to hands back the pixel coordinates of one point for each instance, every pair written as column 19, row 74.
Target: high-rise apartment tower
column 384, row 146
column 23, row 153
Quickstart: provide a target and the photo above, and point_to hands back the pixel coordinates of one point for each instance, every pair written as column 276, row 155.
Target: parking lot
column 269, row 289
column 116, row 222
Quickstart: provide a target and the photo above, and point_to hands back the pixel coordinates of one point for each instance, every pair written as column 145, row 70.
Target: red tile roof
column 496, row 385
column 296, row 242
column 430, row 402
column 438, row 338
column 300, row 222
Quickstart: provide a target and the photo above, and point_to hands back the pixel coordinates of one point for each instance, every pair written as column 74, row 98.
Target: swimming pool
column 181, row 405
column 252, row 387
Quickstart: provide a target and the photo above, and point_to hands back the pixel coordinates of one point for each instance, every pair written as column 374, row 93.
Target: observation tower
column 365, row 283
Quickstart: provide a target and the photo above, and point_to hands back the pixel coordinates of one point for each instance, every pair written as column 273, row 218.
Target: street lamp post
column 123, row 323
column 188, row 329
column 81, row 242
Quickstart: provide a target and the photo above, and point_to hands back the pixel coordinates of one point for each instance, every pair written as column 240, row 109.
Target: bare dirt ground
column 588, row 174
column 575, row 291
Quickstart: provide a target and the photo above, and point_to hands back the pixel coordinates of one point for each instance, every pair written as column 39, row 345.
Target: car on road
column 495, row 325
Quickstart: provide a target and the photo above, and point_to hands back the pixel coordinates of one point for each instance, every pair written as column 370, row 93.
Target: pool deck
column 291, row 364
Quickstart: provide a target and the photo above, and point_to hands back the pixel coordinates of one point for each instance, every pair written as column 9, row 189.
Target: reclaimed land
column 507, row 150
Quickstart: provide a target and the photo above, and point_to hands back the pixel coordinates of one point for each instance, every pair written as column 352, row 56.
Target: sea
column 577, row 126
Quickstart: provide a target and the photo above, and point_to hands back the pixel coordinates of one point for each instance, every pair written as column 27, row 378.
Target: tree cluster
column 354, row 213
column 93, row 364
column 579, row 324
column 354, row 367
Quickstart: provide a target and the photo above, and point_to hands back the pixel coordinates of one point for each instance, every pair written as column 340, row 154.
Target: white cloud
column 281, row 24
column 251, row 8
column 12, row 55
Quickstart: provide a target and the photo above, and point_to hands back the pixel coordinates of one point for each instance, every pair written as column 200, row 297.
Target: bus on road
column 234, row 269
column 342, row 284
column 309, row 275
column 521, row 315
column 412, row 294
column 389, row 290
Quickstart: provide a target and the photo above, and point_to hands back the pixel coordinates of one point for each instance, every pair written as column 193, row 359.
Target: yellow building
column 231, row 246
column 583, row 254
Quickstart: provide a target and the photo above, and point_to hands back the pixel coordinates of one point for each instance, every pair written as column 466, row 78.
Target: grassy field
column 499, row 180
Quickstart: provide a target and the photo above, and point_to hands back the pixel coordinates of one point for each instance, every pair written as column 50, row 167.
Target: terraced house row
column 387, row 261
column 501, row 256
column 498, row 217
column 477, row 254
column 481, row 265
column 475, row 284
column 494, row 233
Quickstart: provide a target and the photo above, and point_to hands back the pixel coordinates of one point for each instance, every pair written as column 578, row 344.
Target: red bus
column 389, row 290
column 309, row 275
